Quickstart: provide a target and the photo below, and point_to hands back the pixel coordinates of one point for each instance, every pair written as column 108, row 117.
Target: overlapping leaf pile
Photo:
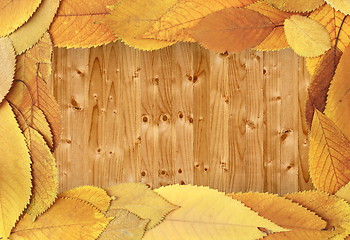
column 30, row 206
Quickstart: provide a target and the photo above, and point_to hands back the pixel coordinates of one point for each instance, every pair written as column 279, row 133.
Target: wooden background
column 186, row 115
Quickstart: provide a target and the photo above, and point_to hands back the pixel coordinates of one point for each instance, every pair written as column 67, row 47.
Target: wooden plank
column 254, row 156
column 272, row 119
column 289, row 131
column 201, row 114
column 183, row 113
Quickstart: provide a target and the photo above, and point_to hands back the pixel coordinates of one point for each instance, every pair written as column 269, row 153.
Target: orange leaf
column 338, row 101
column 329, row 155
column 320, row 83
column 334, row 210
column 276, row 39
column 173, row 24
column 296, row 5
column 7, row 63
column 15, row 13
column 232, row 29
column 78, row 24
column 303, row 223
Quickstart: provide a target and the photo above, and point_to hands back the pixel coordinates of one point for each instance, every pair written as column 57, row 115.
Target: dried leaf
column 15, row 13
column 303, row 223
column 44, row 171
column 341, row 5
column 206, row 214
column 173, row 25
column 232, row 29
column 130, row 19
column 276, row 39
column 320, row 83
column 15, row 180
column 124, row 226
column 139, row 199
column 66, row 219
column 344, row 192
column 296, row 5
column 78, row 24
column 338, row 107
column 334, row 210
column 95, row 196
column 307, row 37
column 32, row 31
column 329, row 155
column 7, row 63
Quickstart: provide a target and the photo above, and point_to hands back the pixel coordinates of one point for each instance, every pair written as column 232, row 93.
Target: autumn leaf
column 206, row 214
column 15, row 180
column 329, row 155
column 15, row 13
column 303, row 223
column 344, row 192
column 173, row 25
column 7, row 63
column 140, row 200
column 338, row 107
column 44, row 171
column 232, row 29
column 130, row 19
column 320, row 82
column 66, row 219
column 276, row 39
column 296, row 5
column 341, row 5
column 78, row 24
column 95, row 196
column 334, row 210
column 124, row 226
column 32, row 31
column 307, row 37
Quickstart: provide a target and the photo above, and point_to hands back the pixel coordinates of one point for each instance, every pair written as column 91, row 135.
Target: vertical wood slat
column 183, row 115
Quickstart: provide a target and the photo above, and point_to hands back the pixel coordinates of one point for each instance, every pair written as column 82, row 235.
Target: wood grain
column 183, row 114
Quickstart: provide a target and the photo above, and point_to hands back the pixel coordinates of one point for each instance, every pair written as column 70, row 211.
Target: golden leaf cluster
column 30, row 206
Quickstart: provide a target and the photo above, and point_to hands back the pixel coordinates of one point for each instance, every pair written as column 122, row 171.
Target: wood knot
column 144, row 118
column 180, row 115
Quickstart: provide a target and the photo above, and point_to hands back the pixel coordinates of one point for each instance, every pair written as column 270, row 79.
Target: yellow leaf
column 208, row 214
column 15, row 180
column 139, row 199
column 338, row 107
column 44, row 171
column 329, row 155
column 334, row 210
column 130, row 19
column 7, row 63
column 78, row 24
column 68, row 219
column 296, row 5
column 31, row 32
column 344, row 192
column 124, row 226
column 95, row 196
column 184, row 15
column 320, row 82
column 303, row 223
column 232, row 29
column 307, row 37
column 276, row 39
column 341, row 5
column 15, row 13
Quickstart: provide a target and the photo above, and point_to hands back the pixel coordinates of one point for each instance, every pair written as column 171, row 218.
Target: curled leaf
column 7, row 63
column 307, row 37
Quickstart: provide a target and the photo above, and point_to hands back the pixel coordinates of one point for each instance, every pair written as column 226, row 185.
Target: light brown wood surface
column 185, row 115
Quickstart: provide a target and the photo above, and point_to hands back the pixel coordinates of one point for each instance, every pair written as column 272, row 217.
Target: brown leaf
column 232, row 29
column 338, row 101
column 329, row 155
column 320, row 83
column 78, row 24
